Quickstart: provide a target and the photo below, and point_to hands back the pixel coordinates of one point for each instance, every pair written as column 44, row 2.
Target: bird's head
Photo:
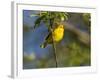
column 61, row 26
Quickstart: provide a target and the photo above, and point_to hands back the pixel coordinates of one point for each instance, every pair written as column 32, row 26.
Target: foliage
column 45, row 17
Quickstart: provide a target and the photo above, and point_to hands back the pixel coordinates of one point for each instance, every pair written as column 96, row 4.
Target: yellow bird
column 56, row 35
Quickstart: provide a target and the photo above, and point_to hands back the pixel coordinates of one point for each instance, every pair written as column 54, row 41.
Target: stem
column 54, row 47
column 55, row 53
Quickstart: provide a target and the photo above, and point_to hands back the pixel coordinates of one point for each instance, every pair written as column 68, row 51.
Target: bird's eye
column 61, row 26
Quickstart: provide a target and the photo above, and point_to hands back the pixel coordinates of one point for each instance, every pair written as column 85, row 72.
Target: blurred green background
column 70, row 52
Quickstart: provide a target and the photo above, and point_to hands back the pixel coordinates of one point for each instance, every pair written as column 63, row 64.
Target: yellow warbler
column 56, row 35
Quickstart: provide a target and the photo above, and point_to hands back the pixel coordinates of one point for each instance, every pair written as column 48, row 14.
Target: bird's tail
column 43, row 45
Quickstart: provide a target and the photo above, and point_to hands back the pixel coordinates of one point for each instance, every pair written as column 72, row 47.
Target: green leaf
column 38, row 21
column 34, row 15
column 65, row 16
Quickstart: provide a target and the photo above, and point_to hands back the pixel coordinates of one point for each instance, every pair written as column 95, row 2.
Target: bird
column 55, row 36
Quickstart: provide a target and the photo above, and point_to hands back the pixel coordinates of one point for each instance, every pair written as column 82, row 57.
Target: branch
column 53, row 43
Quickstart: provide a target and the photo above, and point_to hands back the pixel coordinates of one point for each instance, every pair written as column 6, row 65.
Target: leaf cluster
column 45, row 17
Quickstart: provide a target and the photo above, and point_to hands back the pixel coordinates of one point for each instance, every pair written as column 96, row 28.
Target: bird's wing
column 48, row 36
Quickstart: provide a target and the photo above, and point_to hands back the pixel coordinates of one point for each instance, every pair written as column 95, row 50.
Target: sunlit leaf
column 34, row 15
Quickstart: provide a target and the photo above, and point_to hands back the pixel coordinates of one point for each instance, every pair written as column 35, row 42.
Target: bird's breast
column 58, row 36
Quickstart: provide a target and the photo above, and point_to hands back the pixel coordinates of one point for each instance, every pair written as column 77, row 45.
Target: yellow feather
column 58, row 33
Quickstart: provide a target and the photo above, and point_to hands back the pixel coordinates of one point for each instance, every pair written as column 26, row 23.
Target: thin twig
column 54, row 47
